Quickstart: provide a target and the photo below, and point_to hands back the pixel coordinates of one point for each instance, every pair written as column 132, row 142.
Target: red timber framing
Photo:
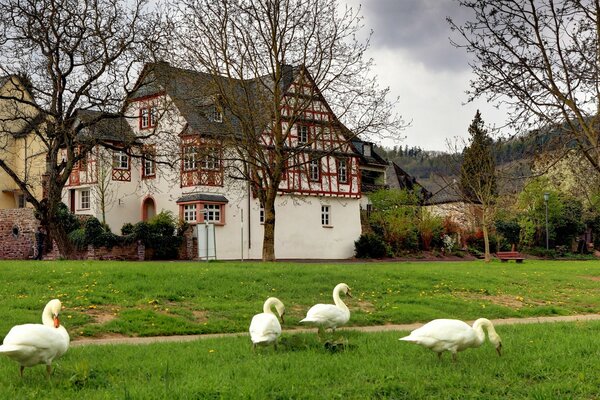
column 85, row 171
column 201, row 161
column 325, row 143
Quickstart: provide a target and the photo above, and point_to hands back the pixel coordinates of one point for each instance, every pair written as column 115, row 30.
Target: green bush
column 370, row 245
column 77, row 238
column 67, row 219
column 127, row 229
column 158, row 234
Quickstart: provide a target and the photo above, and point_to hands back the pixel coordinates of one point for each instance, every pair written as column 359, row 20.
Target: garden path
column 375, row 328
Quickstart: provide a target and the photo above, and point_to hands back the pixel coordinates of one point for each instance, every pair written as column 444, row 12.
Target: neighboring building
column 183, row 166
column 20, row 148
column 397, row 178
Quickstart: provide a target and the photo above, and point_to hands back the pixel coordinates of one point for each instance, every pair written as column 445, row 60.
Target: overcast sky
column 414, row 57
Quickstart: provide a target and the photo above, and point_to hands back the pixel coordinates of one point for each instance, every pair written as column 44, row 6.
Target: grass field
column 540, row 361
column 146, row 299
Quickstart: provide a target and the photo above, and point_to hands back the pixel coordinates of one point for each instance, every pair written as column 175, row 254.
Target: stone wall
column 17, row 233
column 17, row 242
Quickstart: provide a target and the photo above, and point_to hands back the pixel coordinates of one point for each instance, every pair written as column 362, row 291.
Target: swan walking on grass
column 265, row 327
column 329, row 315
column 32, row 344
column 453, row 335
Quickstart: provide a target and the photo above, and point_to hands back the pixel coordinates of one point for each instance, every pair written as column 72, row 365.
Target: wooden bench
column 504, row 256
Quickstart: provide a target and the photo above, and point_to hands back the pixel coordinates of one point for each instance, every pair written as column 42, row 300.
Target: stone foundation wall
column 17, row 233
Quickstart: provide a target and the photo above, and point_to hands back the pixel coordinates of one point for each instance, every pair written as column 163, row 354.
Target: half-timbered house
column 184, row 165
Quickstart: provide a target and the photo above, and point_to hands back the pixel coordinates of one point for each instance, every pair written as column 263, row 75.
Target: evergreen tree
column 478, row 175
column 478, row 170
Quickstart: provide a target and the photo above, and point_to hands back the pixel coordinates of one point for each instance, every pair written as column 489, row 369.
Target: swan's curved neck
column 47, row 317
column 268, row 306
column 337, row 300
column 478, row 327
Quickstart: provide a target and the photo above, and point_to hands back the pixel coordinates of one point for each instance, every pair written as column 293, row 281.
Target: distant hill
column 434, row 169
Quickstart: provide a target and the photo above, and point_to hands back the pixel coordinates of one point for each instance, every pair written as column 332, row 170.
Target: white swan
column 265, row 327
column 453, row 335
column 329, row 315
column 32, row 344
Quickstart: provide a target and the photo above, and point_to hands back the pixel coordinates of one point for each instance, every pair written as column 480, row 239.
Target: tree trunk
column 268, row 253
column 486, row 239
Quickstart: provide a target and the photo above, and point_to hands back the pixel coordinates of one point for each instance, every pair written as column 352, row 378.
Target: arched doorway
column 148, row 209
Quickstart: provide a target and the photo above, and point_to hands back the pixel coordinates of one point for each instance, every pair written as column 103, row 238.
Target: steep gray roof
column 111, row 128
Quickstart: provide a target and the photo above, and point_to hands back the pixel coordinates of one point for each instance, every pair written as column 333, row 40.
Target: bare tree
column 253, row 50
column 541, row 59
column 78, row 56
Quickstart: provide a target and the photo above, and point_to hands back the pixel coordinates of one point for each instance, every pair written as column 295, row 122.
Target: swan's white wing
column 327, row 315
column 442, row 334
column 264, row 327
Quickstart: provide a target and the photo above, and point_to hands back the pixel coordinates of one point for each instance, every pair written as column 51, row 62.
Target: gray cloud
column 418, row 28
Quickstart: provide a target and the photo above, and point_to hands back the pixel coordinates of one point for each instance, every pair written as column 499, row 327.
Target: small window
column 367, row 149
column 21, row 201
column 120, row 160
column 303, row 134
column 189, row 213
column 212, row 213
column 261, row 215
column 84, row 200
column 315, row 170
column 325, row 216
column 215, row 114
column 148, row 116
column 342, row 171
column 190, row 158
column 149, row 163
column 211, row 159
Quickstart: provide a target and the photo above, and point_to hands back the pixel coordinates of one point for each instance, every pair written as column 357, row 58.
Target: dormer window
column 215, row 114
column 367, row 149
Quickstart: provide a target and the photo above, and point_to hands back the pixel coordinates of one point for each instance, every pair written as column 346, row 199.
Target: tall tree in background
column 539, row 58
column 478, row 176
column 78, row 56
column 249, row 47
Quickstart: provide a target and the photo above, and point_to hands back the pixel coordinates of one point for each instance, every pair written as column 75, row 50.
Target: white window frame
column 342, row 170
column 190, row 213
column 213, row 213
column 325, row 215
column 120, row 159
column 303, row 134
column 144, row 118
column 148, row 117
column 210, row 159
column 84, row 199
column 314, row 170
column 190, row 158
column 215, row 114
column 149, row 164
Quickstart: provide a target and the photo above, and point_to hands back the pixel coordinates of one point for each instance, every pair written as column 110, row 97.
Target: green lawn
column 540, row 361
column 165, row 298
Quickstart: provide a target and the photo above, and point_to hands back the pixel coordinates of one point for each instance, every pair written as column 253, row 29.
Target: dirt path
column 376, row 328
